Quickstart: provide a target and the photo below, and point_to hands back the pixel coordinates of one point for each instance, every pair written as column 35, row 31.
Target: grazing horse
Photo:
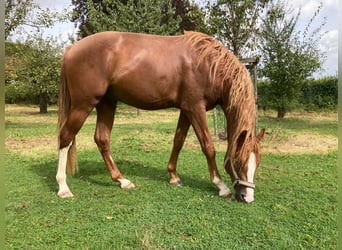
column 192, row 72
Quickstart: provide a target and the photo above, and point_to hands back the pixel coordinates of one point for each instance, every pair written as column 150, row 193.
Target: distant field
column 296, row 194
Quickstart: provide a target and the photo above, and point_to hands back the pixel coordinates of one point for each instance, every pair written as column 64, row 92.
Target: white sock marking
column 126, row 184
column 224, row 190
column 64, row 190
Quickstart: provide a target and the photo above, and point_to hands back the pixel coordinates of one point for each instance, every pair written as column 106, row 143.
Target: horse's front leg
column 198, row 120
column 105, row 119
column 178, row 141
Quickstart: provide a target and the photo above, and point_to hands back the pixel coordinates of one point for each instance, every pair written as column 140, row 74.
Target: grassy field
column 295, row 201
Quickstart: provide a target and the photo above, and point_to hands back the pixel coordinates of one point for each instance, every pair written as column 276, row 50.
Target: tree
column 15, row 14
column 37, row 72
column 235, row 23
column 192, row 17
column 20, row 13
column 151, row 16
column 44, row 63
column 80, row 17
column 39, row 69
column 289, row 56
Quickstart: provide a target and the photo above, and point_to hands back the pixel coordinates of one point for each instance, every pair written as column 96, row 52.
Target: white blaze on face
column 250, row 176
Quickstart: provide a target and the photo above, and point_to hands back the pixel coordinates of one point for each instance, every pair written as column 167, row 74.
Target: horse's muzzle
column 244, row 195
column 239, row 195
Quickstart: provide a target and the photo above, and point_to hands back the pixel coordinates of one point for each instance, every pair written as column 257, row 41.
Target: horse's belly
column 145, row 96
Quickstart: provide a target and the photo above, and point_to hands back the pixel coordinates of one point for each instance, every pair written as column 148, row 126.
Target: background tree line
column 262, row 28
column 314, row 94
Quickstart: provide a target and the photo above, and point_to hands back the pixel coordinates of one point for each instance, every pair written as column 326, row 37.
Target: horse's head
column 243, row 165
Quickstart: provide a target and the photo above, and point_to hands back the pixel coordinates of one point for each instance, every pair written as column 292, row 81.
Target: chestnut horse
column 192, row 72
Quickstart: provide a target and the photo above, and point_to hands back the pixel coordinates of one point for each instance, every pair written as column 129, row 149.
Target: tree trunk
column 43, row 103
column 281, row 112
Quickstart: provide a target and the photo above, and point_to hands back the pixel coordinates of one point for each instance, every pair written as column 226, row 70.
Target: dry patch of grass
column 27, row 114
column 302, row 133
column 299, row 143
column 292, row 143
column 44, row 145
column 276, row 140
column 315, row 116
column 282, row 137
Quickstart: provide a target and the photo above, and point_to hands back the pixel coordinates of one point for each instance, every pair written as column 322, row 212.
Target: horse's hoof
column 226, row 194
column 177, row 183
column 126, row 184
column 65, row 194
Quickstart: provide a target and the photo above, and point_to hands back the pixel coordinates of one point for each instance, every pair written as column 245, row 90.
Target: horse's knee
column 209, row 151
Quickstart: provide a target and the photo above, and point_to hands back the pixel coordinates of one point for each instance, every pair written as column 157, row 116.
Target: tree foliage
column 36, row 73
column 191, row 15
column 15, row 14
column 315, row 94
column 32, row 65
column 150, row 16
column 21, row 13
column 289, row 56
column 320, row 93
column 235, row 23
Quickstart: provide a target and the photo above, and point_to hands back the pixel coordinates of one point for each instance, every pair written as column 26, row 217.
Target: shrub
column 32, row 71
column 20, row 93
column 321, row 94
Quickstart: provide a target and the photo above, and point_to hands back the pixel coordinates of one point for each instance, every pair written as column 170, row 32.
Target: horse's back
column 142, row 70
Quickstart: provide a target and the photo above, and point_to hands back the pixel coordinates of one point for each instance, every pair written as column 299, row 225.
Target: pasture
column 295, row 203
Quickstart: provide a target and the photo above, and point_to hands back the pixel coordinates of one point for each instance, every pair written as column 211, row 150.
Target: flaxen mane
column 237, row 87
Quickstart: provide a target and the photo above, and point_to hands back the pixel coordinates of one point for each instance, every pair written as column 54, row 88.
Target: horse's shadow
column 90, row 171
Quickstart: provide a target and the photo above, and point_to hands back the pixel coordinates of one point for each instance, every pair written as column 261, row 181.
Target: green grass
column 295, row 201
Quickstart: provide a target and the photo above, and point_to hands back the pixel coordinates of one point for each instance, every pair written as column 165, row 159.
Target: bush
column 26, row 93
column 321, row 94
column 32, row 71
column 20, row 93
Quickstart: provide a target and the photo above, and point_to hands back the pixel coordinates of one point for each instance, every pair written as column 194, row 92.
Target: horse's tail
column 64, row 103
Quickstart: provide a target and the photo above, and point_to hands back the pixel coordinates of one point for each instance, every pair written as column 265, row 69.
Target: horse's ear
column 242, row 138
column 261, row 134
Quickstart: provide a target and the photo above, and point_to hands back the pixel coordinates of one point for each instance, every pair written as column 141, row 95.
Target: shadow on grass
column 95, row 172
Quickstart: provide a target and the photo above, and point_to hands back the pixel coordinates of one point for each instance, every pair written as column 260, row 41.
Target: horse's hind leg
column 63, row 190
column 67, row 134
column 105, row 118
column 178, row 141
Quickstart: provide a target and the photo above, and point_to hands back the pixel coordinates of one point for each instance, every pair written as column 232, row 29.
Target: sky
column 328, row 43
